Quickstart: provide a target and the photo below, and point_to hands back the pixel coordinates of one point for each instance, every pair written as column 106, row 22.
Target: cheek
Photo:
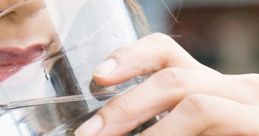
column 24, row 31
column 40, row 25
column 6, row 3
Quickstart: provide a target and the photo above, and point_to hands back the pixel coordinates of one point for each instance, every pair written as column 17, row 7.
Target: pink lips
column 13, row 59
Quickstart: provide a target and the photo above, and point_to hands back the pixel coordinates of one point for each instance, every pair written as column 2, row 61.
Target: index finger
column 126, row 112
column 147, row 55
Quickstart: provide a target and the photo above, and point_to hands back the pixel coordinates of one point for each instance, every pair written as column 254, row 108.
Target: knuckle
column 248, row 82
column 252, row 80
column 170, row 77
column 124, row 51
column 117, row 106
column 160, row 39
column 160, row 36
column 197, row 103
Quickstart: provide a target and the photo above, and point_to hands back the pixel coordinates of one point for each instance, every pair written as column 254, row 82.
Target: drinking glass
column 67, row 41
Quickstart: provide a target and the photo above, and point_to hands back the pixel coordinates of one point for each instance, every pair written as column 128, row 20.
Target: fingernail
column 90, row 127
column 107, row 67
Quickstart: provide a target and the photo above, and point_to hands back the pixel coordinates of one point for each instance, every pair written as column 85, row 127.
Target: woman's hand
column 201, row 100
column 149, row 54
column 201, row 115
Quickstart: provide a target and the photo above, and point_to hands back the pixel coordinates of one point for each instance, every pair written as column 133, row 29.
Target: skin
column 23, row 26
column 4, row 4
column 201, row 101
column 24, row 23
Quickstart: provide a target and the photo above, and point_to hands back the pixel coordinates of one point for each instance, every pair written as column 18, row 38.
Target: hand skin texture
column 201, row 101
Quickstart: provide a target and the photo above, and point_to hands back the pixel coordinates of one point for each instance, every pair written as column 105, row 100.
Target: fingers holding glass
column 207, row 115
column 148, row 55
column 162, row 92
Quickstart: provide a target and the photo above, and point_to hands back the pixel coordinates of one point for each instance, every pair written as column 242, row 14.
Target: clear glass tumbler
column 49, row 50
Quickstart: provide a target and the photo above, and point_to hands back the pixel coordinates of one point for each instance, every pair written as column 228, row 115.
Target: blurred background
column 222, row 34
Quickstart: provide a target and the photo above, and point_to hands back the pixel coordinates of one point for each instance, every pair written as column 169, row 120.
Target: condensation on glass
column 49, row 48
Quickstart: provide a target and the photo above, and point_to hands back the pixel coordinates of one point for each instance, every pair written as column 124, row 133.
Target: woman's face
column 25, row 33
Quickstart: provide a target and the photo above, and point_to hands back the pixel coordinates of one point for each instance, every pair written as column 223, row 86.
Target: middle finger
column 161, row 92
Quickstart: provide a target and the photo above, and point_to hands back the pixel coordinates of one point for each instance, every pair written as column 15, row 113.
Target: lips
column 13, row 59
